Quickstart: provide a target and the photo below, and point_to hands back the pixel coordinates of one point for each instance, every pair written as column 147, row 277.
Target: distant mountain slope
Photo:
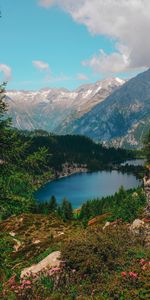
column 134, row 137
column 122, row 118
column 51, row 109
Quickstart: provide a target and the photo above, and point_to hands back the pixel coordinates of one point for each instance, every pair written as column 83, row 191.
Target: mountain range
column 48, row 109
column 113, row 111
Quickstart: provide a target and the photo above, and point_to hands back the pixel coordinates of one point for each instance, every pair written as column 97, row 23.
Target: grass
column 45, row 253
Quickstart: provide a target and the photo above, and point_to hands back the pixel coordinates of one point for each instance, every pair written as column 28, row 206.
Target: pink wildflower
column 21, row 287
column 73, row 271
column 26, row 282
column 11, row 280
column 123, row 274
column 4, row 292
column 142, row 261
column 53, row 270
column 134, row 275
column 144, row 267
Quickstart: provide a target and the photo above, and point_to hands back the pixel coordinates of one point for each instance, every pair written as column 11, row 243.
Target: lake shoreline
column 56, row 175
column 72, row 169
column 69, row 171
column 86, row 185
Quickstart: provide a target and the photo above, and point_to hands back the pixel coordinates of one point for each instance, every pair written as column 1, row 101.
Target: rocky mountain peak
column 50, row 108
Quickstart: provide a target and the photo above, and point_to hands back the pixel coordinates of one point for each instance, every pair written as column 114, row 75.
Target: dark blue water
column 84, row 186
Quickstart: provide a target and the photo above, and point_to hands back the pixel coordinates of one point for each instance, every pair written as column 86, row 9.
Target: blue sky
column 45, row 46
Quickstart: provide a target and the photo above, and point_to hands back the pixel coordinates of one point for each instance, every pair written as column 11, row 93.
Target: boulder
column 137, row 224
column 52, row 260
column 106, row 225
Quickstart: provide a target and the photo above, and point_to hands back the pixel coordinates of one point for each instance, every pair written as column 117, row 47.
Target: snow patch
column 98, row 89
column 119, row 80
column 87, row 93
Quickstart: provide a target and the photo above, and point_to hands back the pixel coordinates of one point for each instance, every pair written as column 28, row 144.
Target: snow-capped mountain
column 52, row 109
column 122, row 119
column 112, row 111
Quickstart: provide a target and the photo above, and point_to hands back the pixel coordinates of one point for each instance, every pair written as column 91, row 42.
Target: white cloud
column 7, row 72
column 41, row 65
column 106, row 64
column 44, row 67
column 82, row 77
column 127, row 22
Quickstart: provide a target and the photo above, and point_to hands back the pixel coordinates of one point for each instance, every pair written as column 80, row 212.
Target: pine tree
column 65, row 210
column 19, row 165
column 52, row 205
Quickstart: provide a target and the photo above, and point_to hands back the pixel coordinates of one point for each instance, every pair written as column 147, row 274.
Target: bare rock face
column 120, row 119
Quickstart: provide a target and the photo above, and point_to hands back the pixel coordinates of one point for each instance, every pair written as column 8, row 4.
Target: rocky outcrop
column 52, row 260
column 70, row 169
column 141, row 229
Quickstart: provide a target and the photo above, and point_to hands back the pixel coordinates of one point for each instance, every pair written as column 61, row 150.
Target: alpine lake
column 80, row 187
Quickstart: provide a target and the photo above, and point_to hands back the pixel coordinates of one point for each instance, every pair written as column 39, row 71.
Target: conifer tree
column 52, row 204
column 65, row 210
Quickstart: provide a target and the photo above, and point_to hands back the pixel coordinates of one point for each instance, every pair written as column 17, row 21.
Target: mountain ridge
column 120, row 113
column 49, row 108
column 112, row 111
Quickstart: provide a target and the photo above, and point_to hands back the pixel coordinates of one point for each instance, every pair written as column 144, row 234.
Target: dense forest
column 78, row 149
